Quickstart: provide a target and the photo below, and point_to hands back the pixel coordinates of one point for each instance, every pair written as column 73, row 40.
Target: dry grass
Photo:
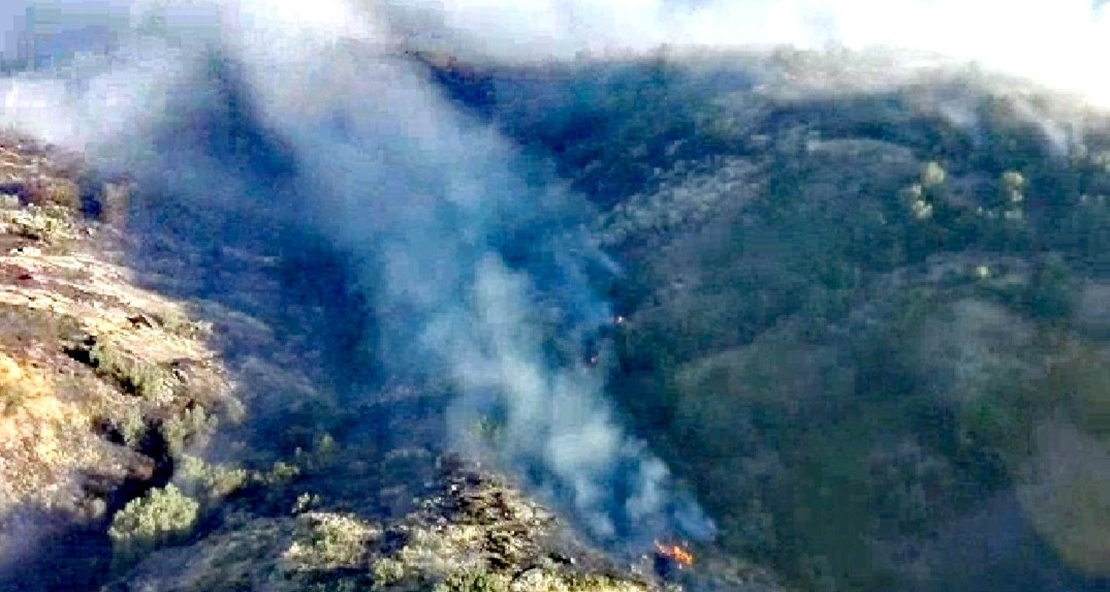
column 89, row 363
column 50, row 225
column 135, row 375
column 18, row 387
column 39, row 447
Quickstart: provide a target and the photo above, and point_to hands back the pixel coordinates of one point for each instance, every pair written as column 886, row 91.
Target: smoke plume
column 472, row 258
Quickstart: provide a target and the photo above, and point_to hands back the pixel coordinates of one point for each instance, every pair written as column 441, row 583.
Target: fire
column 677, row 553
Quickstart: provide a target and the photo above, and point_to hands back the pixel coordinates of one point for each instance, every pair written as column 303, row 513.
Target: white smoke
column 392, row 171
column 428, row 192
column 1061, row 44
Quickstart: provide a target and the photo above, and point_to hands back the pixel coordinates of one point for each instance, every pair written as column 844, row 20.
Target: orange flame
column 675, row 552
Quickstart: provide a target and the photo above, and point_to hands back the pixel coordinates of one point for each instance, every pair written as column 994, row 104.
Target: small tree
column 1050, row 293
column 932, row 175
column 163, row 516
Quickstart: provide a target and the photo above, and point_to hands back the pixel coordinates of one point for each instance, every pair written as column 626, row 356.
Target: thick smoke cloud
column 433, row 197
column 429, row 200
column 1060, row 44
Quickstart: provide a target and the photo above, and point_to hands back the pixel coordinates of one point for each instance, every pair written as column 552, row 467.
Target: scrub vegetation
column 852, row 307
column 864, row 318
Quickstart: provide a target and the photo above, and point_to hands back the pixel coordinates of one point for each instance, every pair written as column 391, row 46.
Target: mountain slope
column 857, row 297
column 861, row 312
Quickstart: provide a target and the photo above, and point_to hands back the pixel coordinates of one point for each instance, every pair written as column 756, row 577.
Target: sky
column 1061, row 43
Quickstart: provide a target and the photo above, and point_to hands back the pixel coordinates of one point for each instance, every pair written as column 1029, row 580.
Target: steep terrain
column 138, row 341
column 862, row 306
column 862, row 313
column 103, row 382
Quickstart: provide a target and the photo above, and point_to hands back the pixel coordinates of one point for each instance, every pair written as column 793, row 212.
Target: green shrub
column 178, row 323
column 471, row 581
column 12, row 397
column 132, row 427
column 329, row 541
column 212, row 481
column 60, row 192
column 150, row 381
column 190, row 426
column 1050, row 295
column 932, row 175
column 163, row 516
column 386, row 572
column 281, row 473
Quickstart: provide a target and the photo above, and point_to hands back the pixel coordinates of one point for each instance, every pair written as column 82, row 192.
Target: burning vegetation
column 680, row 555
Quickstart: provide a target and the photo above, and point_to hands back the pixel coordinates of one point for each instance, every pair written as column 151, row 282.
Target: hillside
column 168, row 411
column 859, row 306
column 864, row 303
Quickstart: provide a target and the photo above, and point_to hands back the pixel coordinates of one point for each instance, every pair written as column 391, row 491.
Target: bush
column 387, row 572
column 131, row 427
column 471, row 581
column 279, row 475
column 932, row 175
column 18, row 387
column 213, row 481
column 163, row 516
column 150, row 381
column 1050, row 295
column 51, row 224
column 191, row 426
column 329, row 541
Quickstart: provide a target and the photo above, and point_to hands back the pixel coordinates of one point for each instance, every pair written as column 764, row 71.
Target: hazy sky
column 1060, row 42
